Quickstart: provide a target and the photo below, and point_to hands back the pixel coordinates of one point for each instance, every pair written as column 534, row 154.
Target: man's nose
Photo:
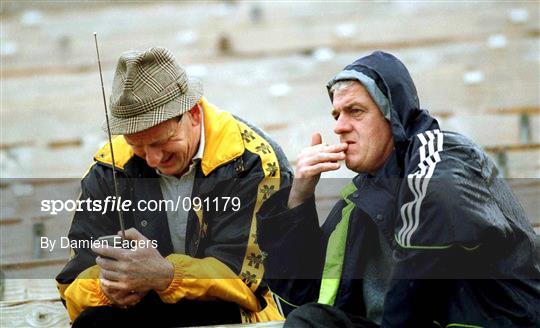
column 342, row 125
column 153, row 156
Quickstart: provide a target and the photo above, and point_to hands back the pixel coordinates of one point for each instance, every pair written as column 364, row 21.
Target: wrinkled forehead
column 348, row 93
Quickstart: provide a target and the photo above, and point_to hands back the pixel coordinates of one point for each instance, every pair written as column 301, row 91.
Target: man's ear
column 195, row 113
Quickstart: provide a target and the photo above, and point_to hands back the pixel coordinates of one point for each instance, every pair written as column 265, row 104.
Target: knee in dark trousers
column 317, row 315
column 102, row 316
column 151, row 312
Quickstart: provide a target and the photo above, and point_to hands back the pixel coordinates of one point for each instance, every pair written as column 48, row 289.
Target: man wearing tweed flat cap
column 212, row 171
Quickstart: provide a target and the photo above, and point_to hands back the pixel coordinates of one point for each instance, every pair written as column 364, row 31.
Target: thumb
column 133, row 234
column 316, row 139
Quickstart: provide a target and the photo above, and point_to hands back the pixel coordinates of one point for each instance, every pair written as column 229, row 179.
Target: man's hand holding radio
column 127, row 275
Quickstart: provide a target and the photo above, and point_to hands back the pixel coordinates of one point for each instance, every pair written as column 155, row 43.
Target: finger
column 133, row 234
column 104, row 288
column 110, row 252
column 316, row 139
column 322, row 158
column 336, row 148
column 129, row 300
column 108, row 264
column 112, row 275
column 319, row 168
column 116, row 286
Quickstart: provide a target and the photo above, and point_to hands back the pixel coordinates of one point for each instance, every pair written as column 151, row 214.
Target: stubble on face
column 361, row 124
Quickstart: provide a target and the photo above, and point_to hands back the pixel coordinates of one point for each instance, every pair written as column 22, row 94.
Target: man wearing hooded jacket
column 428, row 234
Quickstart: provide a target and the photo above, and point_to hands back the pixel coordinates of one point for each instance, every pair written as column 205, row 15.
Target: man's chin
column 168, row 170
column 349, row 165
column 352, row 165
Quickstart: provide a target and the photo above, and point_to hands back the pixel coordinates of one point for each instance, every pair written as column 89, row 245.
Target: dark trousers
column 151, row 312
column 314, row 315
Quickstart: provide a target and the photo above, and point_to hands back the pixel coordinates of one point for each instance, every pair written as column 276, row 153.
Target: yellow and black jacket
column 222, row 260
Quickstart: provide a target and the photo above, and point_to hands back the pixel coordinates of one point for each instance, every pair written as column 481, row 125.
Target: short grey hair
column 340, row 85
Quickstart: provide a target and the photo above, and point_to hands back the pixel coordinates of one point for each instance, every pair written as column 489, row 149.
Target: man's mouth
column 167, row 162
column 349, row 144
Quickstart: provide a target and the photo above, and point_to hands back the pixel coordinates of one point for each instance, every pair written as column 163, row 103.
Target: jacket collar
column 375, row 194
column 122, row 153
column 222, row 137
column 223, row 142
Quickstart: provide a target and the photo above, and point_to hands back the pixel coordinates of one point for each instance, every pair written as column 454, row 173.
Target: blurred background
column 476, row 68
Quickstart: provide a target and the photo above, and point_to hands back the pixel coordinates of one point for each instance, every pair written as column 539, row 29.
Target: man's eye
column 163, row 143
column 356, row 111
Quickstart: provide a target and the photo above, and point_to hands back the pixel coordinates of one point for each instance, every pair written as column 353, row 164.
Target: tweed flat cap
column 149, row 87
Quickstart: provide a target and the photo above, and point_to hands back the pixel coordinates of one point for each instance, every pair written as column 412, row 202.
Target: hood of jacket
column 390, row 85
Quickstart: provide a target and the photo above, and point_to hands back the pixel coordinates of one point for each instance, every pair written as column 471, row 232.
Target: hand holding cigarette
column 312, row 161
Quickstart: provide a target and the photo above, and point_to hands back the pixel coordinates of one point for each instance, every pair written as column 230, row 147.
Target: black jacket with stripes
column 464, row 252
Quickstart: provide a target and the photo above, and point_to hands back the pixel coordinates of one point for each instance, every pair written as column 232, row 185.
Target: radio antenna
column 110, row 141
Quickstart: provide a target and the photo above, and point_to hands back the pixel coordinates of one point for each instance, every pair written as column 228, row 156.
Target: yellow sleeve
column 269, row 313
column 207, row 279
column 85, row 292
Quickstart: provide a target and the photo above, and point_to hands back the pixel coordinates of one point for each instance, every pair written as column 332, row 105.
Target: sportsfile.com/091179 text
column 111, row 203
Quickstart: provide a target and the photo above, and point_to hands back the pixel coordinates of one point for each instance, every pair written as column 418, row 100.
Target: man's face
column 361, row 125
column 170, row 145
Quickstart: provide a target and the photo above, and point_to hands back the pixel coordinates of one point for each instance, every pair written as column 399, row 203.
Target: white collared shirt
column 174, row 188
